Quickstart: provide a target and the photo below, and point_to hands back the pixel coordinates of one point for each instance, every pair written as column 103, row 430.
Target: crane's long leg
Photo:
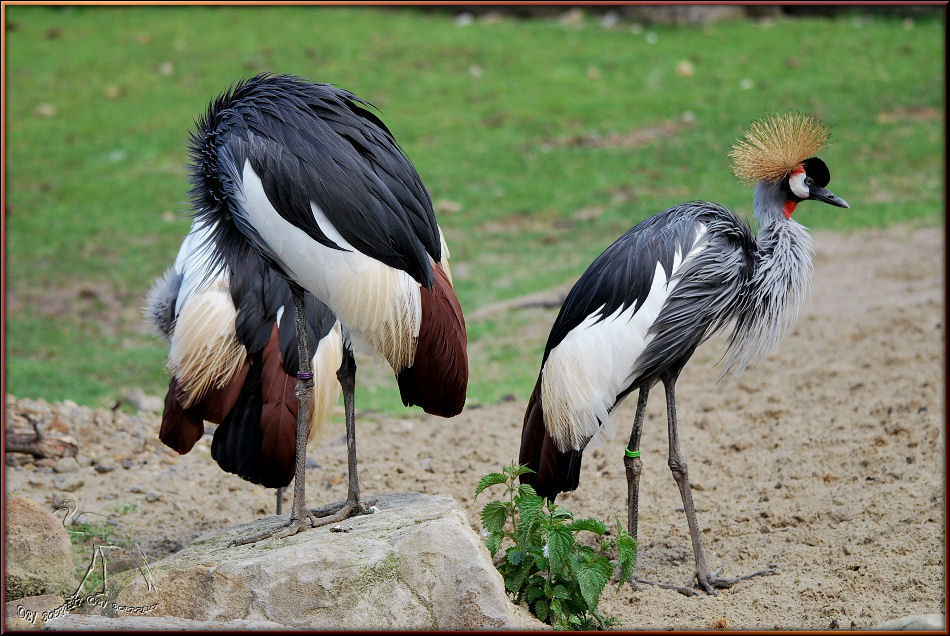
column 633, row 465
column 304, row 392
column 334, row 513
column 299, row 518
column 708, row 581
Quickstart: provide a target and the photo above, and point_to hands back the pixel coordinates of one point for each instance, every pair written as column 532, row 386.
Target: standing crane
column 308, row 178
column 643, row 306
column 233, row 358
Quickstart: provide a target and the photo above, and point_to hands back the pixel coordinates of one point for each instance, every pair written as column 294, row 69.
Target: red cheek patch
column 788, row 207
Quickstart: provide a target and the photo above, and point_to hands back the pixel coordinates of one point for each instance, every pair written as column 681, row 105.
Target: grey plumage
column 773, row 296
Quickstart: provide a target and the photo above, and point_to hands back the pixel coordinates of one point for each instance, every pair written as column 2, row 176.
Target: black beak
column 826, row 195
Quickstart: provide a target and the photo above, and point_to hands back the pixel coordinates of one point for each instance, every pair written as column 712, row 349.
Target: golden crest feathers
column 772, row 147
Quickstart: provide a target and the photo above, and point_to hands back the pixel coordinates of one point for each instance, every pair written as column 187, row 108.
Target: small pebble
column 105, row 468
column 68, row 483
column 66, row 465
column 152, row 495
column 137, row 490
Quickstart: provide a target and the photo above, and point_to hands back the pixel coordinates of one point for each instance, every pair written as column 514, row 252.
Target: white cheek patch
column 796, row 182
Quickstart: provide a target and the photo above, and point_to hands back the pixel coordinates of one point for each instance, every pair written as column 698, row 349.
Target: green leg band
column 629, row 453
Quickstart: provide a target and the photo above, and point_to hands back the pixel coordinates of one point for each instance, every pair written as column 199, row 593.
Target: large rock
column 30, row 613
column 415, row 564
column 915, row 623
column 39, row 555
column 94, row 623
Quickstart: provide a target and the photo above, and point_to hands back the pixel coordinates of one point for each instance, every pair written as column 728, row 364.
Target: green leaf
column 559, row 591
column 529, row 508
column 515, row 580
column 585, row 552
column 527, row 497
column 491, row 479
column 493, row 542
column 526, row 490
column 514, row 555
column 591, row 525
column 591, row 576
column 626, row 553
column 558, row 512
column 541, row 610
column 533, row 592
column 494, row 515
column 560, row 541
column 517, row 471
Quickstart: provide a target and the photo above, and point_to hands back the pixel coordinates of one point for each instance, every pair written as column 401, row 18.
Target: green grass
column 494, row 116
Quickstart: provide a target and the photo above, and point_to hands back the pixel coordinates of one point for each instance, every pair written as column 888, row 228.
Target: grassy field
column 540, row 142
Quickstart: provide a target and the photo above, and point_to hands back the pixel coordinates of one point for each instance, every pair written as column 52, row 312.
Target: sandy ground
column 828, row 460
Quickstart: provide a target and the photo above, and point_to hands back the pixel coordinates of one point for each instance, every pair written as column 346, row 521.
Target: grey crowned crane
column 638, row 313
column 308, row 178
column 233, row 358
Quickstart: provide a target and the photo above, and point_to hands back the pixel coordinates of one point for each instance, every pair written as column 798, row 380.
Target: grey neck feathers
column 779, row 283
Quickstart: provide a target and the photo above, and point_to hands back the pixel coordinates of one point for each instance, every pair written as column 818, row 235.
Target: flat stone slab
column 414, row 564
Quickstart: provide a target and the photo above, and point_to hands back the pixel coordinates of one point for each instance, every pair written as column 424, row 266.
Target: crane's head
column 780, row 151
column 809, row 180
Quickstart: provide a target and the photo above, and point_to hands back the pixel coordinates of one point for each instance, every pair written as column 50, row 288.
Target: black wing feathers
column 315, row 142
column 320, row 321
column 237, row 440
column 623, row 274
column 258, row 293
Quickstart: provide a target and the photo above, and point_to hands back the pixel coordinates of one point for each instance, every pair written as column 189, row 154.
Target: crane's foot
column 713, row 582
column 332, row 513
column 337, row 512
column 708, row 584
column 286, row 529
column 635, row 581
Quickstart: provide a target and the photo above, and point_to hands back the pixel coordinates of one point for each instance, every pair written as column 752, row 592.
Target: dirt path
column 828, row 460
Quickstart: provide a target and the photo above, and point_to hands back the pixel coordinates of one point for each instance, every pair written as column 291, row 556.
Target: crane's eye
column 809, row 181
column 800, row 184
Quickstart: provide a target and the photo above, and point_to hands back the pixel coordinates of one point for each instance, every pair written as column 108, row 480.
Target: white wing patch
column 594, row 363
column 375, row 302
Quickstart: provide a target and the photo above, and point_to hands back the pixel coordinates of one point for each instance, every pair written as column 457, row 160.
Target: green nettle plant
column 546, row 568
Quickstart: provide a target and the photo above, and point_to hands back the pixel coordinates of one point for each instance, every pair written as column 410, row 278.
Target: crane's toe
column 708, row 583
column 713, row 581
column 341, row 510
column 291, row 527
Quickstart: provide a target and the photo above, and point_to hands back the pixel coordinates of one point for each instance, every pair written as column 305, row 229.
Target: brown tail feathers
column 256, row 440
column 554, row 471
column 438, row 378
column 182, row 428
column 256, row 413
